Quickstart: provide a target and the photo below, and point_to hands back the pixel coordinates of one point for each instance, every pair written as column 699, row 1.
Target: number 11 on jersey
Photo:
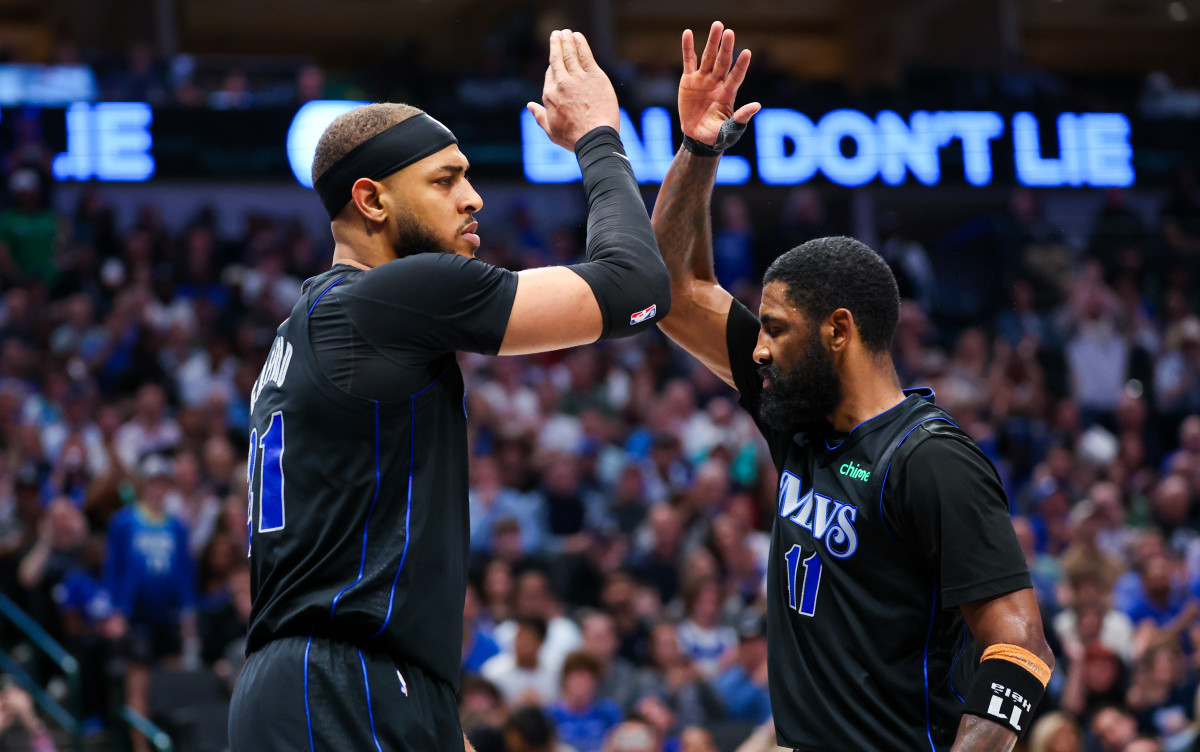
column 804, row 601
column 270, row 485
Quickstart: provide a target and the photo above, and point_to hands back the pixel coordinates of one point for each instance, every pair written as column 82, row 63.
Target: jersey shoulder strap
column 899, row 448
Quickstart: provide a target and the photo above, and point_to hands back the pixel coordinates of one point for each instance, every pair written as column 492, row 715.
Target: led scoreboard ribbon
column 1093, row 148
column 115, row 141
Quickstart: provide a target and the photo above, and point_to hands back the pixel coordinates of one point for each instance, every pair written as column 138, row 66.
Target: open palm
column 708, row 87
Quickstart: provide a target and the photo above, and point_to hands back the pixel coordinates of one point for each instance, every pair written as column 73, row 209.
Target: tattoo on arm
column 682, row 218
column 977, row 734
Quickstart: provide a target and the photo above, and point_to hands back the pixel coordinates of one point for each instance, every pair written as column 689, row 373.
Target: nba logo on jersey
column 643, row 314
column 403, row 684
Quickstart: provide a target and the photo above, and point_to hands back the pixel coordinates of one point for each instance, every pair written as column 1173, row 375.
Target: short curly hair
column 826, row 274
column 351, row 129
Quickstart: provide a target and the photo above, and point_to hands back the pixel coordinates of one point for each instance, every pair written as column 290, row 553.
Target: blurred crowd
column 506, row 69
column 620, row 499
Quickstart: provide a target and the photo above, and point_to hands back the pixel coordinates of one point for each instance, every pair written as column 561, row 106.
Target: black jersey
column 358, row 506
column 879, row 535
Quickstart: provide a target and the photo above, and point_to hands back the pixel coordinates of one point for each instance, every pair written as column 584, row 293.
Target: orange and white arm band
column 1020, row 656
column 1006, row 690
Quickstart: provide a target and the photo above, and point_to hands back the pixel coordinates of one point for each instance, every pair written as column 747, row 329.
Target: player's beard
column 803, row 395
column 413, row 237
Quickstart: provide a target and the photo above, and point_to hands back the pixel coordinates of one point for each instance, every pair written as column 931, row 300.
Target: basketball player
column 358, row 449
column 893, row 561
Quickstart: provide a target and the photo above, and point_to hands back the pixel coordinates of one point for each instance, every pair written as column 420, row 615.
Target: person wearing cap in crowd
column 151, row 578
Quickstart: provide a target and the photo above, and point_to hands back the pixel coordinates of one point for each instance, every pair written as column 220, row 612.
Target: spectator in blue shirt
column 743, row 685
column 151, row 577
column 92, row 628
column 491, row 502
column 1160, row 600
column 582, row 719
column 149, row 570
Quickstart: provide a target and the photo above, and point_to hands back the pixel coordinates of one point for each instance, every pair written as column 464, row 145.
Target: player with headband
column 358, row 440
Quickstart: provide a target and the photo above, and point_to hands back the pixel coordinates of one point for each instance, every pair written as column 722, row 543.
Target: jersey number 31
column 270, row 483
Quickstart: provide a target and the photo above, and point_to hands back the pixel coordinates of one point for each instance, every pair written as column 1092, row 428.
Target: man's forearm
column 977, row 734
column 623, row 269
column 682, row 217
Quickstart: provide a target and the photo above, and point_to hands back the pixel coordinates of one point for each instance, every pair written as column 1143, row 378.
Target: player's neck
column 867, row 392
column 354, row 246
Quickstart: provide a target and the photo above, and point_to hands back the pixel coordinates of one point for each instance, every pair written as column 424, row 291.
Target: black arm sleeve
column 953, row 510
column 433, row 302
column 741, row 337
column 624, row 269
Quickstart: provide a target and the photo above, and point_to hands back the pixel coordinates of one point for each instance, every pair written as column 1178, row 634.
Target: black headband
column 380, row 155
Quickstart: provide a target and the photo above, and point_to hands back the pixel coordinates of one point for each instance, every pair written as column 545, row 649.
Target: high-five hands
column 707, row 89
column 577, row 96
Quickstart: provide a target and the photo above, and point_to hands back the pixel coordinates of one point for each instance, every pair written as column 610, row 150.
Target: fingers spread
column 689, row 52
column 710, row 47
column 738, row 74
column 746, row 111
column 587, row 61
column 724, row 54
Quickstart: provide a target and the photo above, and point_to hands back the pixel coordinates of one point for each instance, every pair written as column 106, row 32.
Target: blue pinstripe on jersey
column 370, row 713
column 412, row 461
column 367, row 524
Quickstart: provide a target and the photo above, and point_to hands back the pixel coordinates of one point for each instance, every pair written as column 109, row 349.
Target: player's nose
column 762, row 355
column 471, row 201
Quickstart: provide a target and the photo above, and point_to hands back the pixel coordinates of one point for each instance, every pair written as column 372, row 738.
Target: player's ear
column 837, row 329
column 367, row 196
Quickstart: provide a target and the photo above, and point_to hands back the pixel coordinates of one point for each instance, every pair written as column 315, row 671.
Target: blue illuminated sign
column 650, row 154
column 1093, row 150
column 108, row 141
column 112, row 141
column 851, row 148
column 309, row 122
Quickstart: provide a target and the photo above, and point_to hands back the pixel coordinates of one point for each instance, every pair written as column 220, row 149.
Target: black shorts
column 302, row 693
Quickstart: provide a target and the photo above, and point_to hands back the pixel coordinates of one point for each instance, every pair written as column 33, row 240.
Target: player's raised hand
column 709, row 85
column 577, row 95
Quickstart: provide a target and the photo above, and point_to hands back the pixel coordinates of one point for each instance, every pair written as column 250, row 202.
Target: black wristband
column 700, row 149
column 1005, row 693
column 731, row 131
